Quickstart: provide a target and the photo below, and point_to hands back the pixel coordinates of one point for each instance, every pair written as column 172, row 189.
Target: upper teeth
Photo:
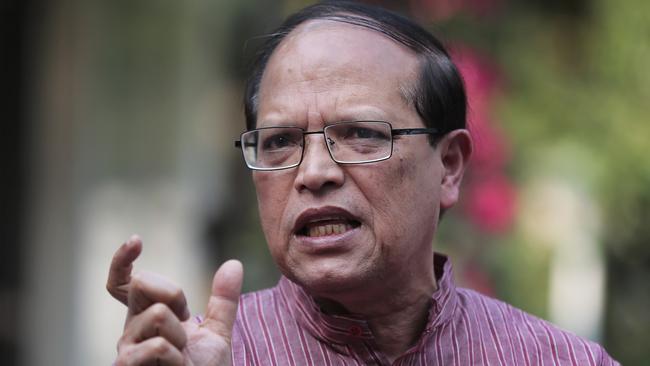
column 328, row 229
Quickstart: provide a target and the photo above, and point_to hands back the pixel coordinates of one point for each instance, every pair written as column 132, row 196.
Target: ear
column 455, row 151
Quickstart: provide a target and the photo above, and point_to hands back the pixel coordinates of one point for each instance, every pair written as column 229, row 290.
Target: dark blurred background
column 119, row 117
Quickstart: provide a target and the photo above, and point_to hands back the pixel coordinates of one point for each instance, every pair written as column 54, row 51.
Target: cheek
column 272, row 194
column 408, row 201
column 388, row 189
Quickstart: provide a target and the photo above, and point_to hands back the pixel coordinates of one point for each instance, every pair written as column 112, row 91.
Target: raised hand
column 158, row 329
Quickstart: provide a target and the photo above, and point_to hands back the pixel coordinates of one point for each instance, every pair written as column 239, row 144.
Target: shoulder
column 517, row 331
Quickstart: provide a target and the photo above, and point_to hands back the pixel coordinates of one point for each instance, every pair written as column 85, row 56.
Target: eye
column 278, row 141
column 358, row 132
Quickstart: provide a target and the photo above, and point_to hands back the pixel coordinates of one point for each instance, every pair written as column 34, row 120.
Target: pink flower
column 490, row 197
column 491, row 150
column 491, row 203
column 482, row 77
column 482, row 82
column 443, row 9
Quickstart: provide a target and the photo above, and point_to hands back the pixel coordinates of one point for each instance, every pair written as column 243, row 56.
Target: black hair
column 438, row 94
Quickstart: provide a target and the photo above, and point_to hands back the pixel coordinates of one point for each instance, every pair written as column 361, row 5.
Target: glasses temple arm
column 415, row 131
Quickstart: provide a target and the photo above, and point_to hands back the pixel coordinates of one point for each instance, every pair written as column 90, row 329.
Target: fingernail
column 133, row 239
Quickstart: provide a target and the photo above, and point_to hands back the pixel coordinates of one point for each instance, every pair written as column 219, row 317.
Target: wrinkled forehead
column 325, row 48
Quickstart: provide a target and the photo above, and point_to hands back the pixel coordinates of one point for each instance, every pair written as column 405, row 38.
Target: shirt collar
column 349, row 328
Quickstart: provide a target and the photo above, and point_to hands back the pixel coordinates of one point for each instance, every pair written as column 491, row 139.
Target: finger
column 153, row 351
column 157, row 320
column 148, row 288
column 119, row 274
column 222, row 306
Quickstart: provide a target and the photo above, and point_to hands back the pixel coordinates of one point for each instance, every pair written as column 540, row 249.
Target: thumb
column 222, row 306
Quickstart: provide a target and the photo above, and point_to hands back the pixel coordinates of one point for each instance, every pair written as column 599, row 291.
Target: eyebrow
column 281, row 124
column 364, row 113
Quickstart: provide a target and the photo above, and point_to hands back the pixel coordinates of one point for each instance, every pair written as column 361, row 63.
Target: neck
column 397, row 321
column 398, row 331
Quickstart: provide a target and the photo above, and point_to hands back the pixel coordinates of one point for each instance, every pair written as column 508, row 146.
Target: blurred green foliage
column 580, row 78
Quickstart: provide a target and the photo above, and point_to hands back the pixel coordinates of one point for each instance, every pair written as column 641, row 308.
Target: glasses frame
column 394, row 132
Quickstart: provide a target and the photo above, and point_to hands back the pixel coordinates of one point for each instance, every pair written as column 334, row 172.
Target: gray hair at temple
column 438, row 94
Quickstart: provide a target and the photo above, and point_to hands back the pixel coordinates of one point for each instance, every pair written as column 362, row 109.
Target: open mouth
column 325, row 221
column 326, row 227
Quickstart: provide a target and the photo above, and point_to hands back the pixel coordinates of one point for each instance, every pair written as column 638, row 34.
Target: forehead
column 337, row 62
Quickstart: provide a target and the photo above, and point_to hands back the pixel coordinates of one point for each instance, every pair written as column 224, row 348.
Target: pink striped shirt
column 284, row 326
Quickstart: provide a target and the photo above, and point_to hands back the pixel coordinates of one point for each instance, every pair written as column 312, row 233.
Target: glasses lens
column 359, row 142
column 272, row 148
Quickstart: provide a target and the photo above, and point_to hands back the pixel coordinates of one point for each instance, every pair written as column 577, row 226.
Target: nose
column 318, row 171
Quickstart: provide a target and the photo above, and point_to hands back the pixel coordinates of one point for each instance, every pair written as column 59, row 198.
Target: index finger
column 119, row 274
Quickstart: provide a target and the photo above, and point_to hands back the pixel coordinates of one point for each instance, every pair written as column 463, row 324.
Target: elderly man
column 356, row 138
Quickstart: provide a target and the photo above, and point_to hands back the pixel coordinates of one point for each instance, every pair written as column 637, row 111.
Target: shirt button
column 355, row 330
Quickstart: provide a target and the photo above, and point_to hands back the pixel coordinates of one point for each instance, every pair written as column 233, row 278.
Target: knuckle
column 159, row 345
column 111, row 288
column 137, row 282
column 123, row 359
column 126, row 342
column 121, row 343
column 159, row 313
column 177, row 294
column 125, row 339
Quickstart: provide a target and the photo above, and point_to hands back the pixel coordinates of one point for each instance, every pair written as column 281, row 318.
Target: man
column 357, row 141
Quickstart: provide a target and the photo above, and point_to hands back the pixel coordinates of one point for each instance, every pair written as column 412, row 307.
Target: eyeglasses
column 355, row 142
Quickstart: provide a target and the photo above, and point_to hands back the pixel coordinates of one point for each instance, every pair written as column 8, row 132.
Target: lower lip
column 326, row 243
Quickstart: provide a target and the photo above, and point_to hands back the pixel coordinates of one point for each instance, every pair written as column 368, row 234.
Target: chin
column 329, row 279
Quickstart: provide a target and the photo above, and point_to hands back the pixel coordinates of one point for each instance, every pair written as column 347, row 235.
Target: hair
column 438, row 94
